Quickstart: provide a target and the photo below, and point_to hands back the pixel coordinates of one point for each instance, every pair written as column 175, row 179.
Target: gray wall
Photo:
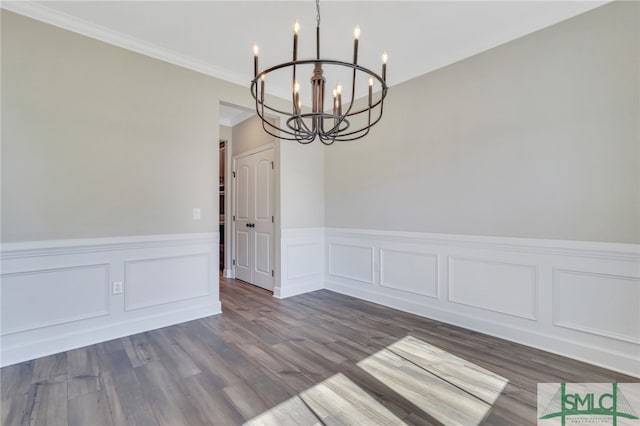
column 99, row 141
column 225, row 133
column 249, row 135
column 536, row 138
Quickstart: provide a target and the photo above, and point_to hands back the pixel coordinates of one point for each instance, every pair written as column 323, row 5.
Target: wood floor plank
column 207, row 359
column 83, row 372
column 50, row 368
column 320, row 350
column 476, row 380
column 12, row 409
column 47, row 404
column 15, row 379
column 211, row 403
column 113, row 399
column 337, row 400
column 245, row 400
column 393, row 401
column 441, row 399
column 127, row 401
column 174, row 358
column 170, row 406
column 131, row 352
column 290, row 412
column 90, row 409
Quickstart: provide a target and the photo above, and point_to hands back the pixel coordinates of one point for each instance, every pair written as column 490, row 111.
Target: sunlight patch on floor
column 452, row 390
column 336, row 400
column 448, row 388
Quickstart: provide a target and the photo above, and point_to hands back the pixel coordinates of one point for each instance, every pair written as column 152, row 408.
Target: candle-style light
column 296, row 29
column 356, row 35
column 370, row 90
column 384, row 66
column 296, row 97
column 255, row 60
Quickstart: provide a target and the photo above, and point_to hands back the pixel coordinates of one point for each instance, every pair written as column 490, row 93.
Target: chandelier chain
column 317, row 13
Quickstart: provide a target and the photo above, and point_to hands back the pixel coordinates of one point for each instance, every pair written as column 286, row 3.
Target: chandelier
column 341, row 122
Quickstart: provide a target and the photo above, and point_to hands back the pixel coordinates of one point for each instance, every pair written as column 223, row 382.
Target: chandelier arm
column 279, row 129
column 355, row 132
column 353, row 91
column 300, row 120
column 373, row 105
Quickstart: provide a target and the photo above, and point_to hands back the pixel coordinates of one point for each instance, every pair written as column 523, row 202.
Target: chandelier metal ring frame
column 304, row 127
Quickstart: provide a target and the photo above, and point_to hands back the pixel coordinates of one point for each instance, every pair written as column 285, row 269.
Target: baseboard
column 298, row 288
column 228, row 273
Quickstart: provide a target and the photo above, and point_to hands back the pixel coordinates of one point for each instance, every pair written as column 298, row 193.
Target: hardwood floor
column 316, row 358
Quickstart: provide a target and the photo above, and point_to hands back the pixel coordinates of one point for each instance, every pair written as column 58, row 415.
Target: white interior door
column 254, row 210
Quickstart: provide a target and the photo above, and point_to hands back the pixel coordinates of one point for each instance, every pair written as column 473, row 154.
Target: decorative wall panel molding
column 301, row 262
column 160, row 280
column 505, row 288
column 354, row 262
column 410, row 271
column 40, row 298
column 602, row 304
column 58, row 295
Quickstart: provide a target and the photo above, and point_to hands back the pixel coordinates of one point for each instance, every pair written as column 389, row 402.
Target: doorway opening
column 248, row 198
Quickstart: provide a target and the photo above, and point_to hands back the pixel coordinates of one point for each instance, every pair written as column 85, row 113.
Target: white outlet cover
column 197, row 213
column 117, row 287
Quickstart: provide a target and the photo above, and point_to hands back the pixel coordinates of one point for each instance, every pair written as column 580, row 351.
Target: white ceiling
column 216, row 37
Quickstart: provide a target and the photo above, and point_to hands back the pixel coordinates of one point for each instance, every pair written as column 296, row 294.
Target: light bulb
column 335, row 92
column 356, row 31
column 339, row 89
column 296, row 27
column 370, row 81
column 385, row 57
column 296, row 87
column 255, row 49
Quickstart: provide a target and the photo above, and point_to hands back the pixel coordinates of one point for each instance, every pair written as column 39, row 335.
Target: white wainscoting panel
column 413, row 272
column 161, row 280
column 354, row 262
column 305, row 259
column 301, row 262
column 505, row 288
column 35, row 299
column 602, row 304
column 578, row 299
column 57, row 295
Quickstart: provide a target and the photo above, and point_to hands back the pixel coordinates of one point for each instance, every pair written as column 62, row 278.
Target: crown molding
column 71, row 23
